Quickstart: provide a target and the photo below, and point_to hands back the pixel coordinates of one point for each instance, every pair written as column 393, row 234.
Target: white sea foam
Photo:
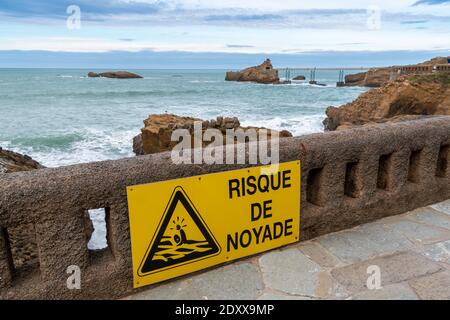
column 96, row 145
column 298, row 126
column 203, row 81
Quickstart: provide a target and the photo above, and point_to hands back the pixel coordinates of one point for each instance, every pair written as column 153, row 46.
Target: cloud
column 414, row 22
column 244, row 17
column 239, row 46
column 50, row 8
column 221, row 26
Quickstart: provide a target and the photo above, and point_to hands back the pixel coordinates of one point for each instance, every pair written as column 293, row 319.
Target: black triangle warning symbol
column 182, row 237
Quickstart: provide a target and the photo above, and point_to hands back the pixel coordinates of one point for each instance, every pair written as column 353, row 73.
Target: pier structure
column 290, row 73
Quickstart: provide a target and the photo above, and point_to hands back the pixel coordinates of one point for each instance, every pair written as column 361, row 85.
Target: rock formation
column 373, row 78
column 264, row 73
column 114, row 75
column 401, row 99
column 156, row 135
column 299, row 78
column 15, row 162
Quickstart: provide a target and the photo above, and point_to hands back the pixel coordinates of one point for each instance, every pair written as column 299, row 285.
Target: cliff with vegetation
column 402, row 99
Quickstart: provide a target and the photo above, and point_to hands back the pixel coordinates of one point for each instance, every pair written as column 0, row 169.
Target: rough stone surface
column 433, row 287
column 264, row 73
column 392, row 292
column 291, row 272
column 394, row 269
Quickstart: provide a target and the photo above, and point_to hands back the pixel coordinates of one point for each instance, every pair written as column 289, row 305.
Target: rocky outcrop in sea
column 156, row 135
column 115, row 75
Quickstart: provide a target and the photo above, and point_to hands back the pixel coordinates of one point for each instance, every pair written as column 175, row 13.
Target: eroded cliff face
column 264, row 73
column 401, row 99
column 156, row 136
column 373, row 78
column 378, row 77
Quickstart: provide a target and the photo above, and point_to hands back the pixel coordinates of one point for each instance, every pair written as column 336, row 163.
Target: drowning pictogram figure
column 179, row 238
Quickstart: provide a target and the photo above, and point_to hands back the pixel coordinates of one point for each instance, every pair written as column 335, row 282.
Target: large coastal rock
column 15, row 162
column 373, row 78
column 264, row 73
column 402, row 99
column 115, row 75
column 156, row 135
column 299, row 78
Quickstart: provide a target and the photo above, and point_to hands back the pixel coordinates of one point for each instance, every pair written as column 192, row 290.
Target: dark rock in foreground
column 115, row 75
column 15, row 162
column 299, row 78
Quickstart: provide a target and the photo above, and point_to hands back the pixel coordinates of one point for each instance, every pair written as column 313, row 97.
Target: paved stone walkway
column 412, row 252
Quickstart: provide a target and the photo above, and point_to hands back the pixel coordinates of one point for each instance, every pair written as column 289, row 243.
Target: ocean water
column 61, row 117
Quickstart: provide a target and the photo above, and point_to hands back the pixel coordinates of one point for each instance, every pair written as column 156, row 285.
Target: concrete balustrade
column 423, row 69
column 348, row 177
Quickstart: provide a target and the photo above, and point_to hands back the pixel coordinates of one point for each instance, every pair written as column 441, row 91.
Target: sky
column 220, row 33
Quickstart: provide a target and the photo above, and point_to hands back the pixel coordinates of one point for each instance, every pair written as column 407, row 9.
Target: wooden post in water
column 341, row 82
column 313, row 77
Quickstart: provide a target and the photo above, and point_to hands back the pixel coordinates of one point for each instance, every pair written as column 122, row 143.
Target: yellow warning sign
column 185, row 225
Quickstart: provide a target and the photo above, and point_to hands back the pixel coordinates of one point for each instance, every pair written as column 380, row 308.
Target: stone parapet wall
column 423, row 68
column 348, row 177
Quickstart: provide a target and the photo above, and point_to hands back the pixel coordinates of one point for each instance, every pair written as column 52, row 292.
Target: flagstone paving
column 412, row 252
